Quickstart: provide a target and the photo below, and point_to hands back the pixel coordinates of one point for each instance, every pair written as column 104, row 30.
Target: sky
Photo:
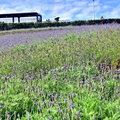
column 68, row 10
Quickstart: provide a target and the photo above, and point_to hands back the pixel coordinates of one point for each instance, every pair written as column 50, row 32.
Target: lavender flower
column 74, row 95
column 93, row 77
column 49, row 111
column 102, row 97
column 65, row 99
column 115, row 88
column 59, row 111
column 49, row 118
column 29, row 117
column 85, row 85
column 3, row 87
column 94, row 117
column 40, row 109
column 18, row 115
column 86, row 76
column 72, row 105
column 69, row 95
column 102, row 79
column 78, row 114
column 81, row 82
column 103, row 84
column 6, row 77
column 51, row 103
column 64, row 118
column 1, row 106
column 31, row 78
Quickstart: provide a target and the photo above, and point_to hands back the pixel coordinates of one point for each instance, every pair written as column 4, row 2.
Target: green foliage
column 61, row 78
column 9, row 26
column 3, row 26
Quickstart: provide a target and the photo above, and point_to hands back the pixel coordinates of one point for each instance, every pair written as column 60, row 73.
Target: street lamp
column 93, row 10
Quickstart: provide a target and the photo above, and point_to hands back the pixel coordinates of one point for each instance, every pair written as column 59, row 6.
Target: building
column 19, row 15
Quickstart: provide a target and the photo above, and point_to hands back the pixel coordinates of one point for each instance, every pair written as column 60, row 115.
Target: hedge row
column 9, row 26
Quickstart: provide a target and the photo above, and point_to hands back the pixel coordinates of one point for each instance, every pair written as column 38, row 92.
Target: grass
column 14, row 31
column 75, row 78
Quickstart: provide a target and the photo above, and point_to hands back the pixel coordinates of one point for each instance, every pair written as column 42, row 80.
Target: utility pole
column 93, row 10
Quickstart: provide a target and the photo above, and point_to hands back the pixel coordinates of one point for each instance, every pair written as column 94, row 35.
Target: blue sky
column 65, row 9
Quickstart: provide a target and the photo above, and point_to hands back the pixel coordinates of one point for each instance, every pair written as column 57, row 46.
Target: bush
column 3, row 26
column 9, row 26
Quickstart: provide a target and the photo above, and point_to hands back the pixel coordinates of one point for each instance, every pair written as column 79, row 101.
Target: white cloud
column 56, row 1
column 110, row 2
column 68, row 10
column 115, row 12
column 80, row 3
column 65, row 9
column 85, row 14
column 106, row 7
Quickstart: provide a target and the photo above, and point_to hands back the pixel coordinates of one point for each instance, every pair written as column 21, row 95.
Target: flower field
column 64, row 73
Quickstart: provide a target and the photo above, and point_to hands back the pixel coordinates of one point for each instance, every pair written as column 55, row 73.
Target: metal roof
column 29, row 14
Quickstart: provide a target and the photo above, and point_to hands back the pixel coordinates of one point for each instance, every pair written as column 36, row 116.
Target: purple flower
column 102, row 79
column 29, row 117
column 81, row 82
column 56, row 96
column 49, row 111
column 94, row 117
column 74, row 95
column 49, row 118
column 1, row 106
column 51, row 103
column 37, row 103
column 65, row 99
column 102, row 97
column 85, row 85
column 40, row 109
column 78, row 114
column 86, row 76
column 31, row 78
column 115, row 76
column 69, row 95
column 115, row 88
column 72, row 105
column 93, row 77
column 64, row 118
column 6, row 77
column 2, row 87
column 89, row 83
column 59, row 111
column 101, row 75
column 103, row 84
